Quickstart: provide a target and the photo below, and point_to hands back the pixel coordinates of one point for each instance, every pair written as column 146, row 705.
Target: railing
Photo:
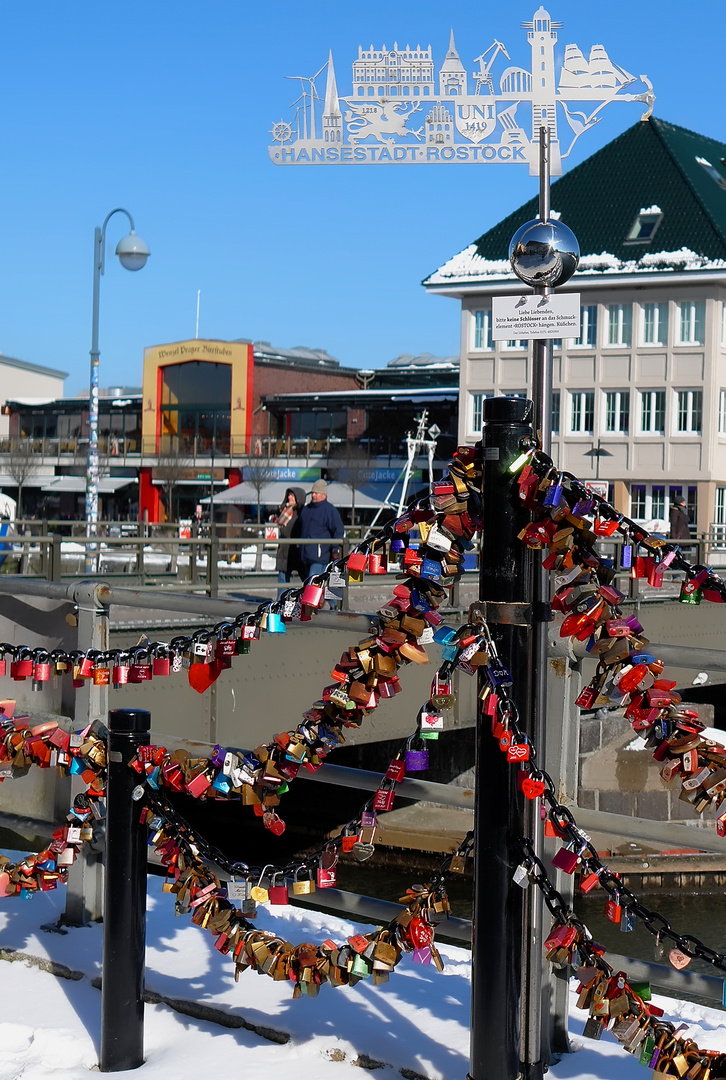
column 224, row 451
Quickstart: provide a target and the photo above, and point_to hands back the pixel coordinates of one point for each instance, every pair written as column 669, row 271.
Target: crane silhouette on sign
column 484, row 74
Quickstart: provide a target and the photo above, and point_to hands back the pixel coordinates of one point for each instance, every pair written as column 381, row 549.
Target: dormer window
column 712, row 172
column 645, row 225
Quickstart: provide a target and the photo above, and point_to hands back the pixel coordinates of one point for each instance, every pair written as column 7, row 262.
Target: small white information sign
column 530, row 316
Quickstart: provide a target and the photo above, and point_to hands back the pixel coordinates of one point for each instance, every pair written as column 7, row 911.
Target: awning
column 107, row 485
column 30, row 481
column 245, row 494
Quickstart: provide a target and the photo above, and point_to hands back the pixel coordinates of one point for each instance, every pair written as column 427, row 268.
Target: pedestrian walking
column 679, row 520
column 287, row 559
column 317, row 519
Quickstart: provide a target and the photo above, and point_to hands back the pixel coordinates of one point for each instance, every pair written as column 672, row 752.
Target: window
column 652, row 412
column 689, row 405
column 693, row 318
column 712, row 172
column 475, row 411
column 617, row 411
column 719, row 517
column 657, row 502
column 588, row 326
column 648, row 503
column 645, row 225
column 620, row 319
column 555, row 412
column 637, row 501
column 483, row 329
column 583, row 412
column 723, row 324
column 655, row 324
column 722, row 412
column 515, row 343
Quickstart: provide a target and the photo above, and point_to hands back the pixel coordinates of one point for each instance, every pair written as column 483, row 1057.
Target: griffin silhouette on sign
column 381, row 120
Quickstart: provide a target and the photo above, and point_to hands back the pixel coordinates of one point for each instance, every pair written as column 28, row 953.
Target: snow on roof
column 654, row 209
column 469, row 266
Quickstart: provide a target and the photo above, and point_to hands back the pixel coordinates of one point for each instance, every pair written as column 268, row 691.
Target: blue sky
column 165, row 108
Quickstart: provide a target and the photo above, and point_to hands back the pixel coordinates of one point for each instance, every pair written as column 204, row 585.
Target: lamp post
column 132, row 253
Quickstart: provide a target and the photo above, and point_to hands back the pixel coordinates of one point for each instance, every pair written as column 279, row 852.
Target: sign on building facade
column 404, row 109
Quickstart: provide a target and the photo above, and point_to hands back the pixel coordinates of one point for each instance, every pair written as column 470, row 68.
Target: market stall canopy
column 106, row 485
column 272, row 494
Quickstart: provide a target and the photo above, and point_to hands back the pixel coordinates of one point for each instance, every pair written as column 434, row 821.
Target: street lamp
column 132, row 253
column 597, row 452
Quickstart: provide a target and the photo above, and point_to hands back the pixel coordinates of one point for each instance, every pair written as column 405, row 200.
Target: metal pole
column 92, row 459
column 497, row 910
column 124, row 930
column 535, row 1040
column 84, row 892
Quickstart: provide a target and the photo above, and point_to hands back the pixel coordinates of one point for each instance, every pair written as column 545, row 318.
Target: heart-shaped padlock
column 362, row 851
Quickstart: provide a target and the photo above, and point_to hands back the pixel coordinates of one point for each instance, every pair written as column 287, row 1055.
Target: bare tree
column 20, row 464
column 170, row 469
column 350, row 465
column 260, row 473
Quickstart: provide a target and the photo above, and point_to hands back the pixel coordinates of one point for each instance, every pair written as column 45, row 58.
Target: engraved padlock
column 397, row 769
column 326, row 875
column 301, row 886
column 384, row 796
column 120, row 670
column 226, row 646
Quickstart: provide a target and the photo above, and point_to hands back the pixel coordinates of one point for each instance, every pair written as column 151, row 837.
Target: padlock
column 275, row 622
column 355, row 566
column 566, row 859
column 101, row 676
column 416, row 757
column 384, row 796
column 120, row 670
column 41, row 670
column 278, row 890
column 22, row 667
column 301, row 886
column 613, row 909
column 313, row 593
column 553, row 493
column 226, row 648
column 377, row 563
column 161, row 663
column 396, row 770
column 326, row 877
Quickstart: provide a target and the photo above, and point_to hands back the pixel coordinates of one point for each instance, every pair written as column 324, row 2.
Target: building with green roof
column 645, row 382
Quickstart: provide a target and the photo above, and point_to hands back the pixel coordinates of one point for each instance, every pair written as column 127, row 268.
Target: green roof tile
column 652, row 163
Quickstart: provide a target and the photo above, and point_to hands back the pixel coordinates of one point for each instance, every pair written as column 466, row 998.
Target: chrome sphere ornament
column 544, row 253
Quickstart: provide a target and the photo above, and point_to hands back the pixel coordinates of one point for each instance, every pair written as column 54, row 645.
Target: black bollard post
column 124, row 920
column 497, row 912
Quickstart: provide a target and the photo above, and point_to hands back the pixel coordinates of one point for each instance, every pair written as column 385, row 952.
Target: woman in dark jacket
column 287, row 554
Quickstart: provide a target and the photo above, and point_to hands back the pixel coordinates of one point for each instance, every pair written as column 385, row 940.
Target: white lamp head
column 132, row 252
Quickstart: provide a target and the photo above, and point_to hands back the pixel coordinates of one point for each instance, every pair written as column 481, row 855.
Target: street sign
column 404, row 109
column 533, row 316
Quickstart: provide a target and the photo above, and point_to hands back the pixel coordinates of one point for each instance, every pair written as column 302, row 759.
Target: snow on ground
column 419, row 1020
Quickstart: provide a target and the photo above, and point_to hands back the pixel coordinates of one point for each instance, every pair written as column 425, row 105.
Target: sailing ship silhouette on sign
column 395, row 113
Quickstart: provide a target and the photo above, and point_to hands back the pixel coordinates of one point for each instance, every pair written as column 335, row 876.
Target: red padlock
column 85, row 668
column 384, row 796
column 278, row 893
column 396, row 770
column 313, row 594
column 377, row 563
column 161, row 665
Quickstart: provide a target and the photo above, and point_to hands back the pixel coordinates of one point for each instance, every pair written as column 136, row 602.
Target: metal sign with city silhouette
column 401, row 111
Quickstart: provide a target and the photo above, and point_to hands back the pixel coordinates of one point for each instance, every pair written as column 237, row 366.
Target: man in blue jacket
column 317, row 519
